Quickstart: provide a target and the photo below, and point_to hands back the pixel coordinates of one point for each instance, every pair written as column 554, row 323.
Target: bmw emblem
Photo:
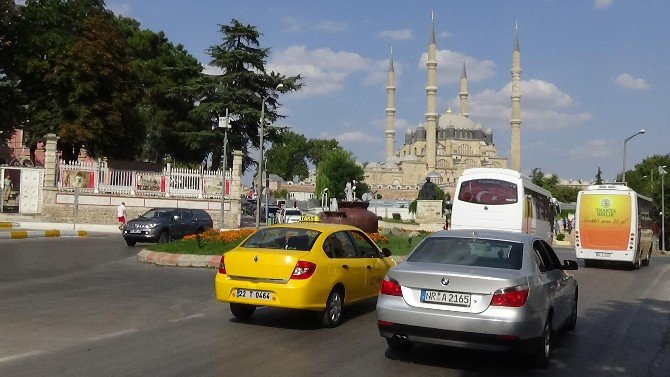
column 445, row 281
column 256, row 258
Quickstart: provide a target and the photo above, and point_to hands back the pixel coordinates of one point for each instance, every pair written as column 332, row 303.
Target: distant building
column 16, row 153
column 446, row 144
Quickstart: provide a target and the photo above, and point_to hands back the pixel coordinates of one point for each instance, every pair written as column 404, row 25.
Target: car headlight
column 150, row 225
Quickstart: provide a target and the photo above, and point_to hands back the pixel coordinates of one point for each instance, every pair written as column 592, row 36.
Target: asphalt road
column 86, row 307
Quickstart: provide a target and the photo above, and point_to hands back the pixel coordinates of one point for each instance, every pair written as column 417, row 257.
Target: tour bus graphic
column 604, row 221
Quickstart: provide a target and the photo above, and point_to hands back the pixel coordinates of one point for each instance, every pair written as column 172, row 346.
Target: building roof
column 456, row 120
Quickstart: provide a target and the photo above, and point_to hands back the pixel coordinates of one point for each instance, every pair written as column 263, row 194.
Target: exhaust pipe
column 400, row 337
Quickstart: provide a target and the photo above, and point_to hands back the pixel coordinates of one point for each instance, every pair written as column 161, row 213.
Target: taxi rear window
column 283, row 238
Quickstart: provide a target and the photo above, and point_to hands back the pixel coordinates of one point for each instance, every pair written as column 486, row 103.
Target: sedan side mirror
column 569, row 265
column 386, row 252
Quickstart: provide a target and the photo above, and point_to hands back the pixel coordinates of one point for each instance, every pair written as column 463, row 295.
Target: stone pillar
column 50, row 162
column 236, row 175
column 431, row 92
column 390, row 109
column 515, row 120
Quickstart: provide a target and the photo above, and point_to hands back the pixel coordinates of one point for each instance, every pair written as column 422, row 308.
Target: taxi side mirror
column 386, row 252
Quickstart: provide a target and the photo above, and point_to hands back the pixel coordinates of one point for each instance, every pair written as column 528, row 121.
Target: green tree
column 240, row 88
column 166, row 73
column 599, row 177
column 317, row 148
column 336, row 169
column 11, row 101
column 288, row 156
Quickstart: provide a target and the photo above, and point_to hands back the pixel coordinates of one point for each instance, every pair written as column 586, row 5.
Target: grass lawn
column 399, row 245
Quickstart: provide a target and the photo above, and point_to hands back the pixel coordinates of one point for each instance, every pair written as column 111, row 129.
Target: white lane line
column 20, row 356
column 112, row 334
column 186, row 318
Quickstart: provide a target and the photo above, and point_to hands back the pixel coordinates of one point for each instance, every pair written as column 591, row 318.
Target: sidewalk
column 36, row 229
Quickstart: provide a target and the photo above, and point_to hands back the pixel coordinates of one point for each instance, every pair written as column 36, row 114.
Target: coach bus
column 613, row 223
column 503, row 199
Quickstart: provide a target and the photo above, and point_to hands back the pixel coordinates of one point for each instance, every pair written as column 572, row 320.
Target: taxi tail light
column 390, row 287
column 222, row 266
column 514, row 297
column 303, row 270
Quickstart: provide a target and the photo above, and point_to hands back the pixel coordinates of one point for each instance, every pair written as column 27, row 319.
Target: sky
column 594, row 72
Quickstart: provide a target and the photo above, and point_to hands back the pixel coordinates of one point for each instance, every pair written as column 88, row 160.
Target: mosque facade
column 445, row 144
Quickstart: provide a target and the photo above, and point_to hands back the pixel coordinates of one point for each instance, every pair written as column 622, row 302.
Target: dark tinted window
column 339, row 245
column 549, row 260
column 365, row 247
column 488, row 191
column 157, row 213
column 469, row 252
column 186, row 215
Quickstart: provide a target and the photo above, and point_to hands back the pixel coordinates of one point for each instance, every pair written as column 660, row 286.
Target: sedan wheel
column 572, row 321
column 332, row 316
column 543, row 348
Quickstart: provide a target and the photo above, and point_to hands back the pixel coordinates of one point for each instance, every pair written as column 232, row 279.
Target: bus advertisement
column 613, row 223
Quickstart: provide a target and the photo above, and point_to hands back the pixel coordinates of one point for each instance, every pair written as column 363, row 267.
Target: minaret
column 515, row 121
column 431, row 94
column 390, row 108
column 463, row 94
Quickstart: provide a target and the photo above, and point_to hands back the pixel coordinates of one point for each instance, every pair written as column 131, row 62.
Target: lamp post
column 267, row 192
column 224, row 122
column 623, row 173
column 261, row 132
column 662, row 172
column 324, row 199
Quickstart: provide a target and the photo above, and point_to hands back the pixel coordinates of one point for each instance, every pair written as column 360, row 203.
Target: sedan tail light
column 390, row 287
column 512, row 297
column 303, row 270
column 222, row 266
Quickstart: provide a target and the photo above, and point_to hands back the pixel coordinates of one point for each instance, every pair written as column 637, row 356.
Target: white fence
column 97, row 177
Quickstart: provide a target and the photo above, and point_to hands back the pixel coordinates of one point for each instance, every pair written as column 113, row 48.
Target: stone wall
column 58, row 206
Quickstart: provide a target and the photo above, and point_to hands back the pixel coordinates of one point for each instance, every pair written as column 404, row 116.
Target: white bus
column 613, row 223
column 503, row 199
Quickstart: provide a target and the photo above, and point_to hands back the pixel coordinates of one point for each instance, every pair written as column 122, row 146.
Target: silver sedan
column 488, row 290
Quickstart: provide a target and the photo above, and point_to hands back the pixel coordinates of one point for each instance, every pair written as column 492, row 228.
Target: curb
column 191, row 260
column 5, row 225
column 21, row 234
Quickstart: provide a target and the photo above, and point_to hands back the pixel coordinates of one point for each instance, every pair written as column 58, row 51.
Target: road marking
column 20, row 356
column 113, row 334
column 186, row 318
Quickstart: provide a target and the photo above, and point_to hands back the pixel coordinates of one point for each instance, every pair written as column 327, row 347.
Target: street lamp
column 224, row 122
column 623, row 173
column 662, row 172
column 324, row 199
column 261, row 132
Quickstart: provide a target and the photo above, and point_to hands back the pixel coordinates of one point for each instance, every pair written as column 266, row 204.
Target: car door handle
column 368, row 267
column 346, row 267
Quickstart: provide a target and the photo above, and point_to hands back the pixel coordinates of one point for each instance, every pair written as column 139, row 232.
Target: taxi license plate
column 256, row 295
column 446, row 298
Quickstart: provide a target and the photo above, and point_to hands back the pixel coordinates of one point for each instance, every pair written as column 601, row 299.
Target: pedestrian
column 7, row 190
column 121, row 214
column 565, row 224
column 569, row 226
column 557, row 228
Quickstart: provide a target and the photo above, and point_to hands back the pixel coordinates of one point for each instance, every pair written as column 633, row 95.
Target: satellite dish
column 366, row 197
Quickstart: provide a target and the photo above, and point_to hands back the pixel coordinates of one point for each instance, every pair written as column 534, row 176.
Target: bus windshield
column 488, row 191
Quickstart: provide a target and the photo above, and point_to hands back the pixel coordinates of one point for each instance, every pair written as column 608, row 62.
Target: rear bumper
column 294, row 294
column 496, row 328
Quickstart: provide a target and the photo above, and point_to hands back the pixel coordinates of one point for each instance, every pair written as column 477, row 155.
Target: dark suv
column 164, row 224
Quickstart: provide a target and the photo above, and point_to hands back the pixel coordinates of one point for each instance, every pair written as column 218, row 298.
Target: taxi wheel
column 242, row 311
column 332, row 316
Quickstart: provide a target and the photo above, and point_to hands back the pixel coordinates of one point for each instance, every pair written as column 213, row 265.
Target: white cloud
column 450, row 64
column 628, row 81
column 211, row 70
column 397, row 35
column 122, row 9
column 543, row 106
column 356, row 136
column 443, row 35
column 379, row 72
column 323, row 70
column 602, row 4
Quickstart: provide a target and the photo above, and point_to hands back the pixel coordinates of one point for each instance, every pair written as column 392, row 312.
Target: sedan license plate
column 446, row 298
column 256, row 295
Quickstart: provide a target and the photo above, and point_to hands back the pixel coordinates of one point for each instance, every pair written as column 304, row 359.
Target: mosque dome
column 455, row 120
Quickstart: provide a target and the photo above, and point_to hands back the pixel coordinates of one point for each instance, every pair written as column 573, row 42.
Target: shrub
column 560, row 237
column 396, row 216
column 225, row 236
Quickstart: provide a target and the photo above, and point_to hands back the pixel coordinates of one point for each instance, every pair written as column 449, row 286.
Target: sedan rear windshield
column 488, row 191
column 469, row 252
column 282, row 238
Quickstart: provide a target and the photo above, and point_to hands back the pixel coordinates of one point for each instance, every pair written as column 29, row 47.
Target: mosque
column 447, row 143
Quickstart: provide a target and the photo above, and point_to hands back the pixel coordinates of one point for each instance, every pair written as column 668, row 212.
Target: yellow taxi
column 311, row 266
